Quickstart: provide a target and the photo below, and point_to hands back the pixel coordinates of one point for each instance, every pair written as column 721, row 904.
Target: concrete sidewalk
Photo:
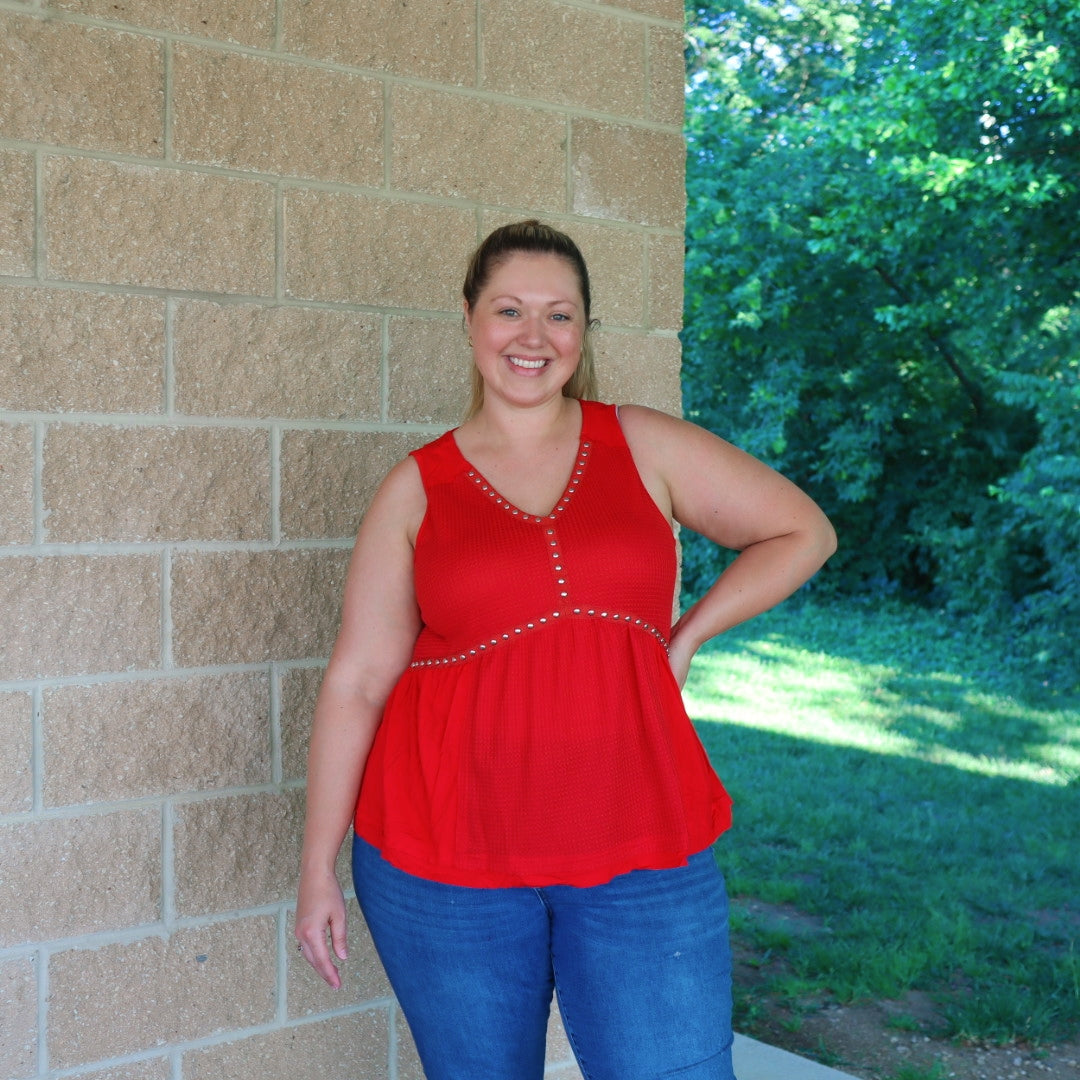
column 756, row 1061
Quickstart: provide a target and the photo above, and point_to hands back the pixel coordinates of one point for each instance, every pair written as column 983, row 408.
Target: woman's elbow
column 826, row 539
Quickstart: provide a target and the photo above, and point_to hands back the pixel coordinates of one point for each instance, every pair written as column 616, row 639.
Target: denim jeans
column 641, row 967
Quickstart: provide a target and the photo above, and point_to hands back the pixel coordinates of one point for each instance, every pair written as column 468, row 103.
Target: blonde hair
column 531, row 237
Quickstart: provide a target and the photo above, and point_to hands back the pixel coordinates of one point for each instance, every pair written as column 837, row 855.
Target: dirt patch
column 858, row 1040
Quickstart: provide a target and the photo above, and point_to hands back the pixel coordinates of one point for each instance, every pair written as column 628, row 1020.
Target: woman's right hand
column 320, row 906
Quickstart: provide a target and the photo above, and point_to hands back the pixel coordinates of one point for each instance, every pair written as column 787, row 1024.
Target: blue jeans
column 641, row 967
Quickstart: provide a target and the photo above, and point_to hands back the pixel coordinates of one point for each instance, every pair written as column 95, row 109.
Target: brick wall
column 232, row 234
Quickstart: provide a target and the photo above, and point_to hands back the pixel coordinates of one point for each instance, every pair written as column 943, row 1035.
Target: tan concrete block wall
column 232, row 234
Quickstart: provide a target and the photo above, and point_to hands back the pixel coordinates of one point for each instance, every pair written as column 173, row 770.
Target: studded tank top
column 538, row 735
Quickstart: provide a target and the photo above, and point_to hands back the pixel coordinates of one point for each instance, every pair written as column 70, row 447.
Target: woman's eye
column 561, row 316
column 508, row 311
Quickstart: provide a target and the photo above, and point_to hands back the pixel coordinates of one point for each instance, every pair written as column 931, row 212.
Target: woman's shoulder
column 400, row 501
column 646, row 429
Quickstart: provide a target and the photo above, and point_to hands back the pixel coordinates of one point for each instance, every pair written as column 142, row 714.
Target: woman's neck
column 499, row 426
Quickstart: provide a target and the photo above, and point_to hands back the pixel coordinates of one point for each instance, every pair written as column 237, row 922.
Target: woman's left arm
column 708, row 485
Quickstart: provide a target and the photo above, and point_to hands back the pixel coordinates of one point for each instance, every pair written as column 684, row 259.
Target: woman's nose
column 531, row 330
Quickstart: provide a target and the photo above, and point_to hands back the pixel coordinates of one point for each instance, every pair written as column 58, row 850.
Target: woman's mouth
column 522, row 362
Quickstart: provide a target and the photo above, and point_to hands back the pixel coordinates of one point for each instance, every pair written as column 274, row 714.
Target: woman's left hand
column 680, row 652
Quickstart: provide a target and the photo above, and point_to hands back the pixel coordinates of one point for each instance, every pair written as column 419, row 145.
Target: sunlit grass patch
column 903, row 784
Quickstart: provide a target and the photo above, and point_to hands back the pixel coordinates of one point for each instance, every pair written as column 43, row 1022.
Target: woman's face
column 527, row 328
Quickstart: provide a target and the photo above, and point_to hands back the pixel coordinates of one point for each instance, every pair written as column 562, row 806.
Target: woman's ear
column 466, row 321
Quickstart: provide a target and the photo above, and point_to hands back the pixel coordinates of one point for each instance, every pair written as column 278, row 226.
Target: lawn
column 911, row 794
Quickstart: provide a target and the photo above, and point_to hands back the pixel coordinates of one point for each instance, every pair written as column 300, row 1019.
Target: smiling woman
column 501, row 717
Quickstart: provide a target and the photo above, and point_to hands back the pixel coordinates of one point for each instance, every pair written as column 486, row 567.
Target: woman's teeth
column 518, row 362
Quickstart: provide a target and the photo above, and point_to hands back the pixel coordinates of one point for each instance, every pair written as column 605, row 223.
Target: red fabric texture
column 539, row 736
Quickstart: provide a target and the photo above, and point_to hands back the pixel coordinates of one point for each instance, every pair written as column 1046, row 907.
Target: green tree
column 883, row 245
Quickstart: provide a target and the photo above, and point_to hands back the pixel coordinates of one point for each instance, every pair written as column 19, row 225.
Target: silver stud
column 564, row 595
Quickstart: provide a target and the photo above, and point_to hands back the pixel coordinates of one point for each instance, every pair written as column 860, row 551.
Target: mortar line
column 279, row 26
column 222, row 1038
column 42, row 977
column 156, row 674
column 168, row 878
column 246, row 423
column 251, row 300
column 193, row 547
column 394, row 1029
column 478, row 9
column 74, row 811
column 281, row 995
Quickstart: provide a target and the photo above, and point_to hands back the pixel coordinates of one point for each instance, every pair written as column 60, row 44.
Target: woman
column 501, row 717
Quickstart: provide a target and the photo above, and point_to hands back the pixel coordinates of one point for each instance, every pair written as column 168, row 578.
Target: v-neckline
column 577, row 473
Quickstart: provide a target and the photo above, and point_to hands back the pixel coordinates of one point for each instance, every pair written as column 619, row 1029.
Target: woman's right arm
column 379, row 624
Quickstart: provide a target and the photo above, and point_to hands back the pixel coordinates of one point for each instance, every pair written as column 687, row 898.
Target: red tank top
column 538, row 736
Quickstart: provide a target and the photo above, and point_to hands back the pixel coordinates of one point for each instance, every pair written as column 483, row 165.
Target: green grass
column 913, row 795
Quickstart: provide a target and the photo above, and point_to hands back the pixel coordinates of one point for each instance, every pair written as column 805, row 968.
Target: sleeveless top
column 539, row 736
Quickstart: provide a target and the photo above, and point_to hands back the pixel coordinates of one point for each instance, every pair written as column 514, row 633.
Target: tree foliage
column 883, row 300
